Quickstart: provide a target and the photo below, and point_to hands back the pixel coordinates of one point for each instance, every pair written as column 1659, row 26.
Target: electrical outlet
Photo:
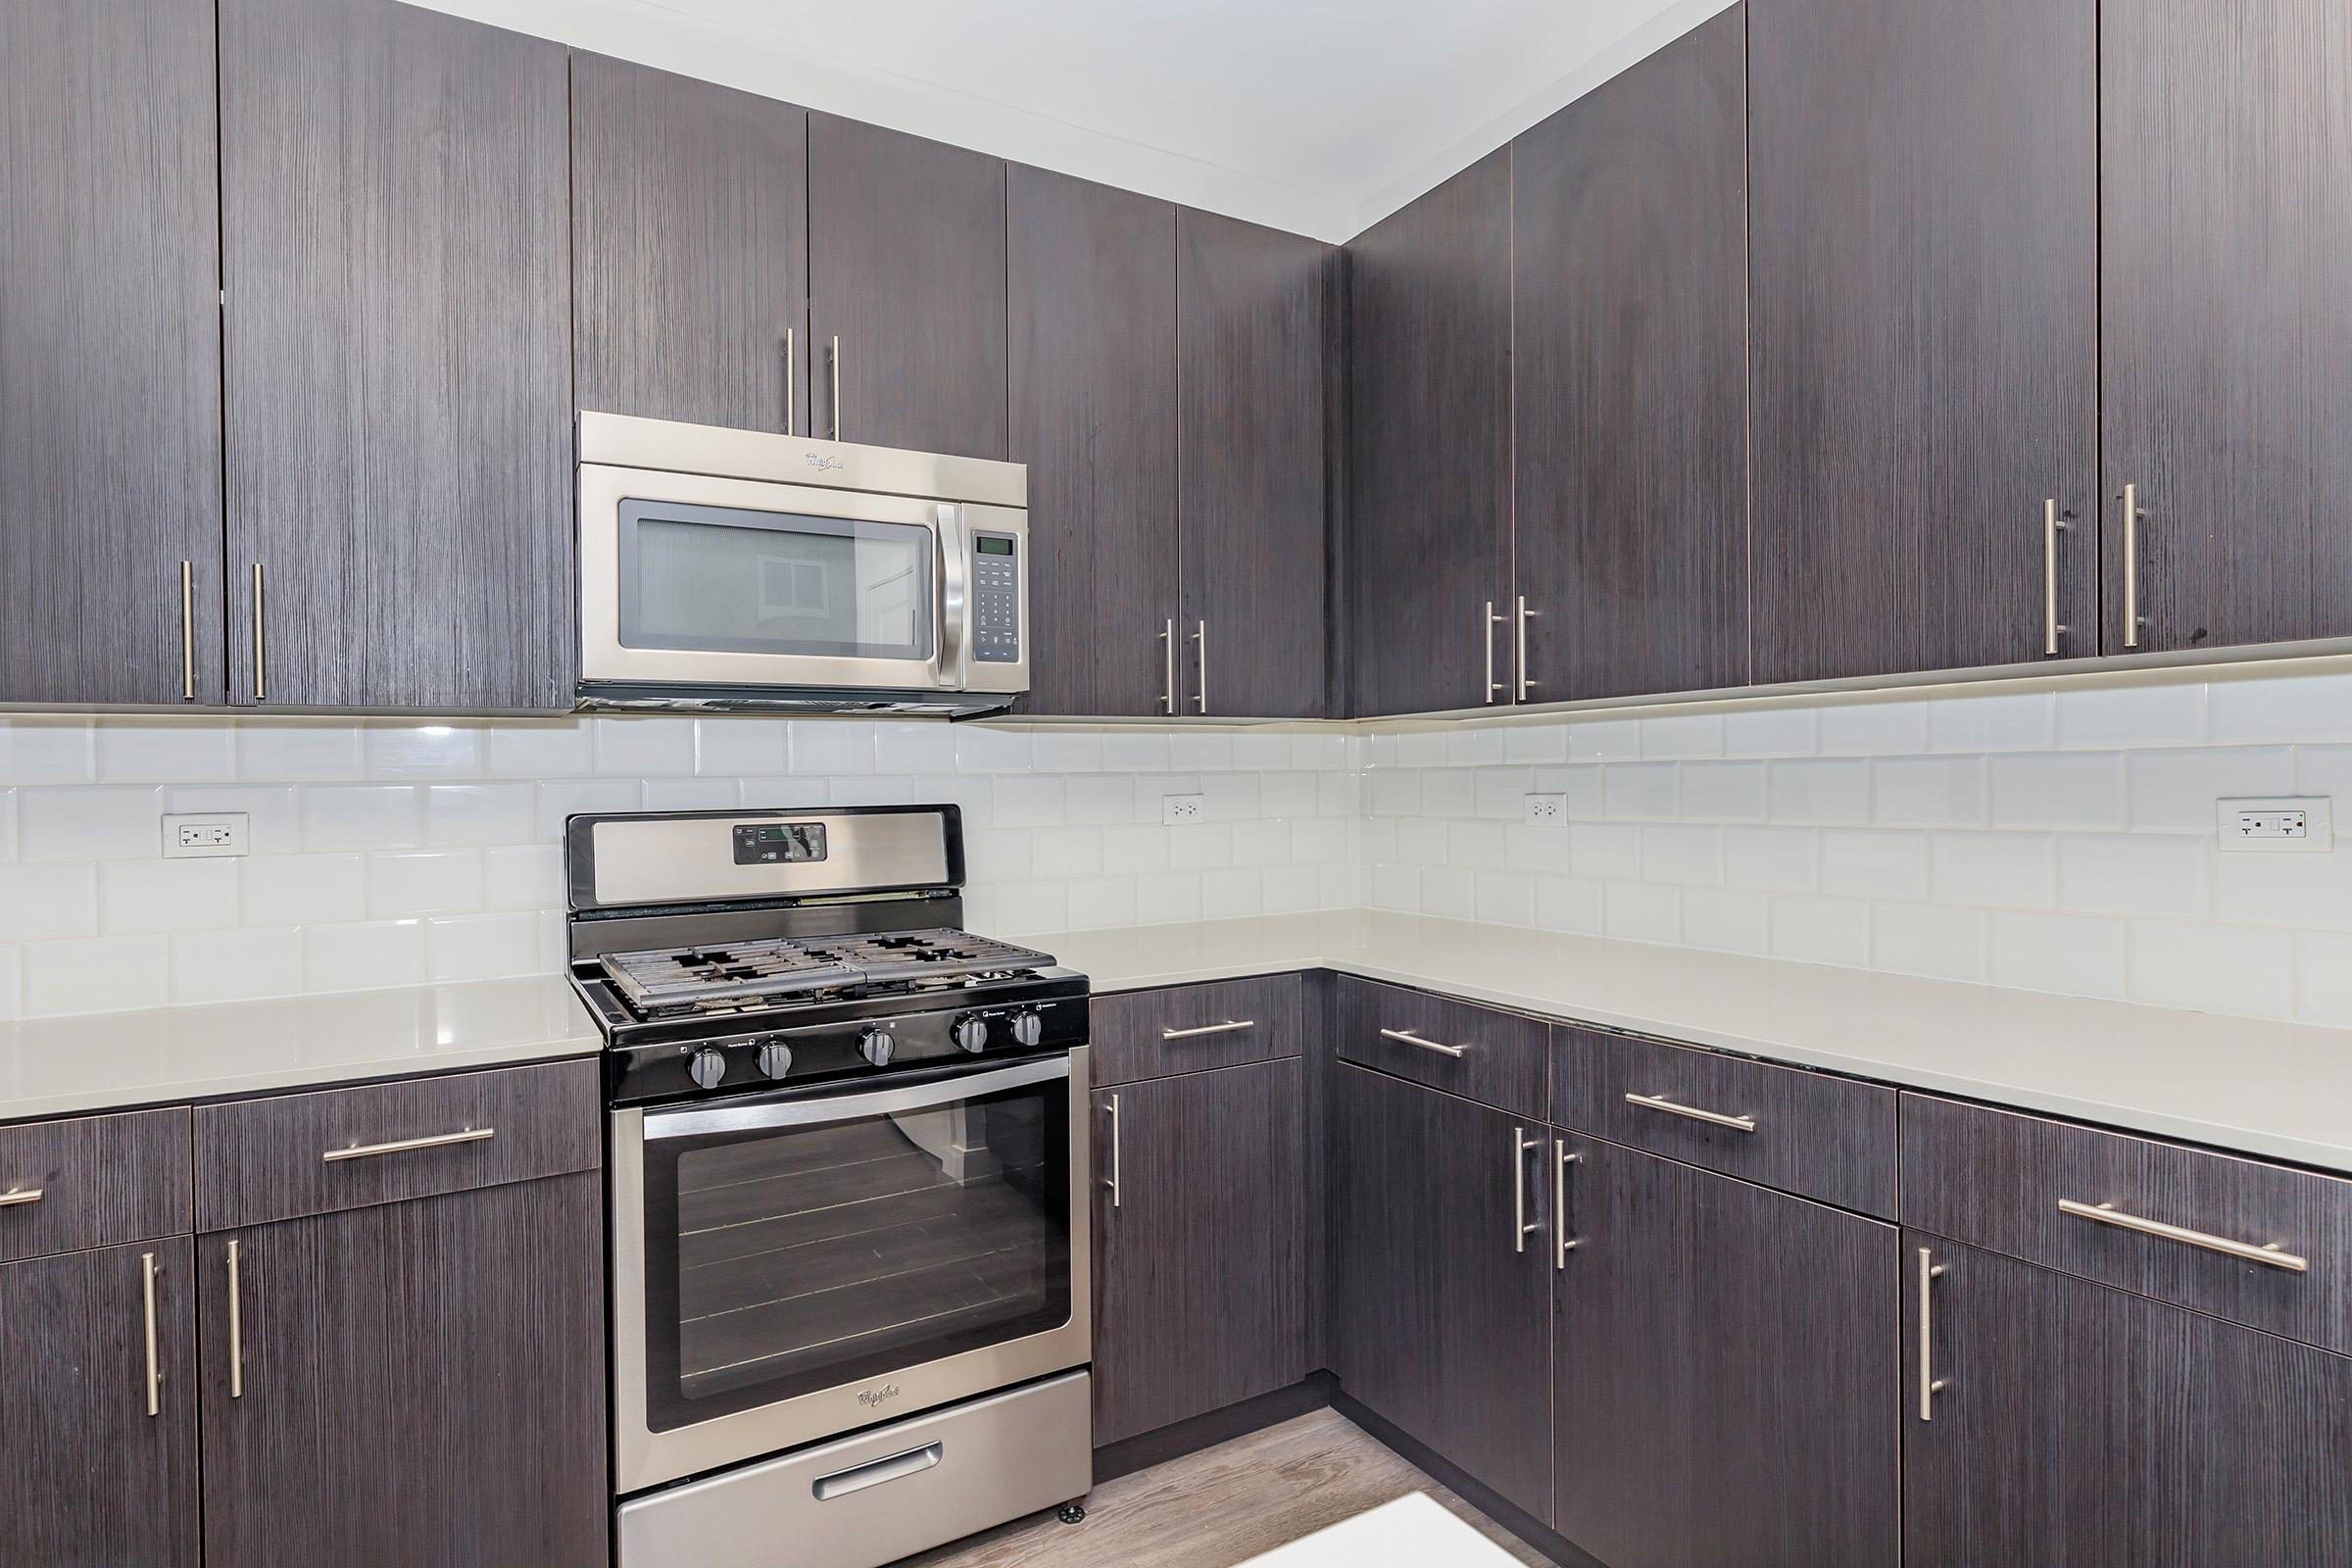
column 1546, row 811
column 193, row 838
column 2284, row 826
column 1175, row 808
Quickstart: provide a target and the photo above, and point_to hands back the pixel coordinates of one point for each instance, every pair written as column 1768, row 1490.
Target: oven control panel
column 995, row 599
column 778, row 843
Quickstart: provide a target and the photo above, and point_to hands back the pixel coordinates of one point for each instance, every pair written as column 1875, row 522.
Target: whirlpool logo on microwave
column 875, row 1399
column 823, row 459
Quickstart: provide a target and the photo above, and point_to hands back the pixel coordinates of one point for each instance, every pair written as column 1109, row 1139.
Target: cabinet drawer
column 101, row 1180
column 1153, row 1034
column 1824, row 1137
column 266, row 1159
column 1477, row 1053
column 1997, row 1178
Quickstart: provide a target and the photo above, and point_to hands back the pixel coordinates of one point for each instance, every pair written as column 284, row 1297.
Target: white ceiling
column 1317, row 115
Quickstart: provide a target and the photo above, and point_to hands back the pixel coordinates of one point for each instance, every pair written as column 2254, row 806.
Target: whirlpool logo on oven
column 823, row 459
column 875, row 1399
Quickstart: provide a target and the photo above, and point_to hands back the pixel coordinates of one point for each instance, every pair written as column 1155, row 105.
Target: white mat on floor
column 1414, row 1532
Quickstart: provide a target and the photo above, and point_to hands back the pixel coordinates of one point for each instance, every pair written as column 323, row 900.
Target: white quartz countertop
column 63, row 1067
column 2283, row 1090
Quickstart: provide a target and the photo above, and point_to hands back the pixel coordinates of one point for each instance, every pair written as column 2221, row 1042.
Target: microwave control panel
column 995, row 599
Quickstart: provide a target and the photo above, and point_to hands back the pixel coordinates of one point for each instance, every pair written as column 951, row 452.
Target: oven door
column 787, row 1268
column 687, row 580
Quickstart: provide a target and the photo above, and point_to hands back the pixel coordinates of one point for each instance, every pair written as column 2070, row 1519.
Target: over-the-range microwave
column 725, row 569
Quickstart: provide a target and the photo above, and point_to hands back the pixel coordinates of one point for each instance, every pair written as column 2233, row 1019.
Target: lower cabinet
column 1199, row 1245
column 1441, row 1276
column 1727, row 1369
column 98, row 1404
column 2075, row 1423
column 409, row 1384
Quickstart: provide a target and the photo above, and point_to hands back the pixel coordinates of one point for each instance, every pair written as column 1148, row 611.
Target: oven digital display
column 778, row 843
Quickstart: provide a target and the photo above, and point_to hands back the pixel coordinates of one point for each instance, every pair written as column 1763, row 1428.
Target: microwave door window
column 712, row 579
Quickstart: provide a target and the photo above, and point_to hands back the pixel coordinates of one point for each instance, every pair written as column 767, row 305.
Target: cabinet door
column 1428, row 343
column 419, row 1382
column 690, row 249
column 110, row 354
column 1729, row 1355
column 906, row 273
column 399, row 358
column 101, row 1461
column 1630, row 219
column 1250, row 327
column 2084, row 1427
column 1923, row 317
column 1091, row 410
column 1201, row 1279
column 2225, row 243
column 1441, row 1306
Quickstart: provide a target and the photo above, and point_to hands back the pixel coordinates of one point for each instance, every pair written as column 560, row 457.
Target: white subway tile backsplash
column 2177, row 791
column 737, row 748
column 2064, row 954
column 273, row 811
column 362, row 956
column 89, row 824
column 2112, row 717
column 559, row 799
column 1821, row 930
column 1928, row 791
column 1572, row 905
column 1993, row 871
column 649, row 745
column 1828, row 790
column 361, row 816
column 423, row 751
column 1642, row 792
column 1771, row 859
column 1680, row 735
column 1682, row 854
column 411, row 882
column 1726, row 920
column 1612, row 740
column 1608, row 852
column 1640, row 911
column 2312, row 890
column 1723, row 792
column 480, row 813
column 2260, row 710
column 552, row 748
column 2132, row 874
column 230, row 965
column 35, row 748
column 300, row 750
column 481, row 946
column 1873, row 728
column 1927, row 939
column 142, row 896
column 165, row 750
column 294, row 890
column 1061, row 749
column 38, row 901
column 99, row 974
column 8, row 824
column 2058, row 790
column 1771, row 731
column 2324, row 978
column 2002, row 721
column 2211, row 969
column 1874, row 865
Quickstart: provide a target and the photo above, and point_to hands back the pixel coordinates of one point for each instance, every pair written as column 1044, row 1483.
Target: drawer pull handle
column 155, row 1364
column 1559, row 1203
column 16, row 1197
column 1113, row 1182
column 236, row 1326
column 2272, row 1257
column 1523, row 1227
column 469, row 1135
column 1713, row 1118
column 1412, row 1039
column 858, row 1478
column 1930, row 1385
column 1228, row 1027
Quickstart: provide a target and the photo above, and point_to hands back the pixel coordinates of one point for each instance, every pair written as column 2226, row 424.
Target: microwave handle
column 954, row 599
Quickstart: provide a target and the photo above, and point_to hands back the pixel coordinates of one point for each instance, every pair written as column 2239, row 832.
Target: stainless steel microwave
column 740, row 570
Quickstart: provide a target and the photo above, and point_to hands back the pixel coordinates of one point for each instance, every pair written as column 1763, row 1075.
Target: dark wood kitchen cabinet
column 1925, row 322
column 1200, row 1244
column 690, row 249
column 110, row 354
column 1630, row 297
column 1441, row 1306
column 101, row 1440
column 396, row 253
column 2225, row 248
column 1429, row 338
column 907, row 275
column 1091, row 410
column 1727, row 1371
column 410, row 1382
column 1249, row 471
column 2084, row 1425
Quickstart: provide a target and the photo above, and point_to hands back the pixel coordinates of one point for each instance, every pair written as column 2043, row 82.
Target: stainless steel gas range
column 848, row 1165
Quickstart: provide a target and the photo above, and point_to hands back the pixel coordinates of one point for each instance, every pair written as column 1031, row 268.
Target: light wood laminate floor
column 1220, row 1507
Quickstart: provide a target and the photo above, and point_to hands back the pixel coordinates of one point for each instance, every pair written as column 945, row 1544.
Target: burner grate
column 663, row 981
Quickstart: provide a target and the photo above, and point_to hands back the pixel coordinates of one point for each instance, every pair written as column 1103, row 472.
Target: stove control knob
column 971, row 1034
column 877, row 1047
column 776, row 1058
column 707, row 1067
column 1028, row 1028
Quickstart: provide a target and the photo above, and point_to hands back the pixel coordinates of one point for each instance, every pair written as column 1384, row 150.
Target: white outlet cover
column 1175, row 808
column 1546, row 811
column 2319, row 812
column 207, row 835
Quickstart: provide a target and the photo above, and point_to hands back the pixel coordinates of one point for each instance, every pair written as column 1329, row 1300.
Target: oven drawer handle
column 2273, row 1255
column 702, row 1121
column 1230, row 1026
column 841, row 1483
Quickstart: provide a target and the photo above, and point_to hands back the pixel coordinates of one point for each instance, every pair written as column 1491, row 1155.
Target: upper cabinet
column 2225, row 188
column 396, row 251
column 1091, row 410
column 110, row 354
column 1251, row 356
column 905, row 290
column 1629, row 293
column 690, row 249
column 1429, row 435
column 1923, row 318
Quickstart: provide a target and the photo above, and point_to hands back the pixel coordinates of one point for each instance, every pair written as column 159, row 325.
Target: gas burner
column 773, row 971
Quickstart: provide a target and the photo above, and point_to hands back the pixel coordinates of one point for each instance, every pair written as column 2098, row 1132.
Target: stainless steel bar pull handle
column 792, row 376
column 874, row 1473
column 1930, row 1385
column 1523, row 1227
column 403, row 1145
column 2272, row 1256
column 261, row 667
column 1713, row 1118
column 1228, row 1027
column 19, row 1195
column 1201, row 655
column 1412, row 1039
column 833, row 358
column 2051, row 525
column 236, row 1327
column 155, row 1365
column 187, row 631
column 1487, row 623
column 1527, row 683
column 1113, row 1182
column 1167, row 649
column 1559, row 1203
column 2132, row 565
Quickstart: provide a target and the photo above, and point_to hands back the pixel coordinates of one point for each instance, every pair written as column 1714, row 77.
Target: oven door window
column 850, row 1244
column 721, row 579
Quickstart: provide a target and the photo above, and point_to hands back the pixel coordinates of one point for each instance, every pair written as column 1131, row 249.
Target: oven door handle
column 955, row 598
column 703, row 1120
